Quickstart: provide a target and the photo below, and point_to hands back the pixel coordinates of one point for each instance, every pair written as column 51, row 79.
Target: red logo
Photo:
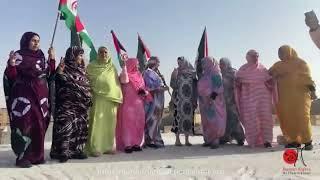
column 74, row 5
column 290, row 156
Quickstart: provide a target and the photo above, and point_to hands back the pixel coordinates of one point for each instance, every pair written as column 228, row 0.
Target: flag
column 68, row 10
column 202, row 51
column 143, row 54
column 119, row 48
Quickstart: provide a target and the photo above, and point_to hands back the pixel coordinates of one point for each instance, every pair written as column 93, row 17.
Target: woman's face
column 157, row 64
column 103, row 53
column 281, row 55
column 252, row 57
column 79, row 59
column 180, row 63
column 222, row 65
column 34, row 44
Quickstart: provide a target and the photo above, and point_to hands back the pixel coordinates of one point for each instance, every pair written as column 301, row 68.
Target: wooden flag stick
column 55, row 29
column 164, row 81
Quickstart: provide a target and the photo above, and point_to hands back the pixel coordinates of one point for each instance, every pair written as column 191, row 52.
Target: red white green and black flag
column 68, row 10
column 202, row 51
column 119, row 48
column 143, row 54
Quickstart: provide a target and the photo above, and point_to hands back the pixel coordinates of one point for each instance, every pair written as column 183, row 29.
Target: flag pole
column 163, row 80
column 159, row 73
column 55, row 29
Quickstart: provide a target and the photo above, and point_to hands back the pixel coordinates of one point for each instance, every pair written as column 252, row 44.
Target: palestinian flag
column 143, row 54
column 68, row 10
column 202, row 51
column 119, row 48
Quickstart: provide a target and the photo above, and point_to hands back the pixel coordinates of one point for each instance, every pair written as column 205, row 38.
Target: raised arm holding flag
column 68, row 11
column 121, row 51
column 143, row 55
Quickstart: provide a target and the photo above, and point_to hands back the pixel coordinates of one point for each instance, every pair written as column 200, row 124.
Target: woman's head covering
column 253, row 71
column 134, row 74
column 104, row 79
column 287, row 53
column 152, row 62
column 226, row 62
column 254, row 55
column 211, row 79
column 227, row 69
column 24, row 46
column 210, row 65
column 76, row 74
column 106, row 59
column 72, row 53
column 185, row 66
column 25, row 40
column 132, row 64
column 292, row 65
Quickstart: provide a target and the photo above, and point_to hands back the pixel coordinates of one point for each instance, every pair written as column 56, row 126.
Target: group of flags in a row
column 79, row 35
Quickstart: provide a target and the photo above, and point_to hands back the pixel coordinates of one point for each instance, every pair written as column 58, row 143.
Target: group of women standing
column 238, row 105
column 94, row 105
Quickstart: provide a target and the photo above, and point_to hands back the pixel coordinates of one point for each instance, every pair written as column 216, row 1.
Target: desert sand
column 187, row 163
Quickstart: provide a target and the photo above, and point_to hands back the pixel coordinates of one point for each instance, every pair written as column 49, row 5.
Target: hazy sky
column 171, row 28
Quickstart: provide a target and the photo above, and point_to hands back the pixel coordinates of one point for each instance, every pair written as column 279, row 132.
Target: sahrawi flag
column 202, row 51
column 68, row 10
column 143, row 54
column 119, row 48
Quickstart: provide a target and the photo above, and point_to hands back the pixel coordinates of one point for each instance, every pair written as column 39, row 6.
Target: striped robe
column 254, row 93
column 72, row 101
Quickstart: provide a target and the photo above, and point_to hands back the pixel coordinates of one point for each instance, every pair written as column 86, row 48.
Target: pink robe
column 131, row 114
column 213, row 112
column 254, row 95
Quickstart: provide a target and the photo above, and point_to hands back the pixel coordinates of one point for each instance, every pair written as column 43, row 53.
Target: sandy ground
column 187, row 163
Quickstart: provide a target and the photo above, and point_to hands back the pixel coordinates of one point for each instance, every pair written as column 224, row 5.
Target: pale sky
column 171, row 28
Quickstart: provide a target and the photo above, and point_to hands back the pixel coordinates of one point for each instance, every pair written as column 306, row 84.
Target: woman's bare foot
column 97, row 154
column 187, row 141
column 112, row 152
column 178, row 142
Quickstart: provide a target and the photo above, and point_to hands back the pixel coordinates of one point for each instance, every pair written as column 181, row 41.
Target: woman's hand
column 213, row 95
column 51, row 53
column 142, row 92
column 124, row 57
column 61, row 66
column 164, row 88
column 12, row 58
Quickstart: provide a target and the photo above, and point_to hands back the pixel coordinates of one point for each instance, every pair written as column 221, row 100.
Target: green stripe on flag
column 87, row 40
column 68, row 16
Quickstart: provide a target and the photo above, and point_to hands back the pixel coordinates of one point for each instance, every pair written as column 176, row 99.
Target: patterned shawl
column 75, row 78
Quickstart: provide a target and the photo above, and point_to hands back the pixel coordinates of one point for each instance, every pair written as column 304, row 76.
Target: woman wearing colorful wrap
column 26, row 90
column 154, row 108
column 131, row 114
column 296, row 91
column 234, row 128
column 211, row 103
column 73, row 99
column 184, row 99
column 107, row 97
column 255, row 93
